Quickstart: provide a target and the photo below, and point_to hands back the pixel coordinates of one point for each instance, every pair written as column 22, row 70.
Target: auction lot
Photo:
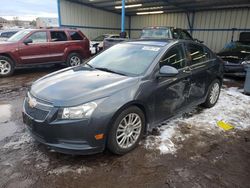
column 188, row 151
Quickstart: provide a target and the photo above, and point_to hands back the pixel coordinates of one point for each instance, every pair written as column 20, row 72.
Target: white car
column 96, row 44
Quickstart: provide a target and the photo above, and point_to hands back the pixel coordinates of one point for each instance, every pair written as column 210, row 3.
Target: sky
column 28, row 9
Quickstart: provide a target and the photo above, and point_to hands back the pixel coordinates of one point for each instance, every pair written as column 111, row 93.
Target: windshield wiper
column 89, row 65
column 108, row 70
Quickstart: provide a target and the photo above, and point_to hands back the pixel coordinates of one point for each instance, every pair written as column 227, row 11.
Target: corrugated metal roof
column 164, row 5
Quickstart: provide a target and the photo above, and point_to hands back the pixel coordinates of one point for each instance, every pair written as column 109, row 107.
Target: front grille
column 36, row 113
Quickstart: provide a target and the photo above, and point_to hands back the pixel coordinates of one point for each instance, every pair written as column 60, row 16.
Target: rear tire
column 126, row 131
column 74, row 59
column 213, row 94
column 7, row 66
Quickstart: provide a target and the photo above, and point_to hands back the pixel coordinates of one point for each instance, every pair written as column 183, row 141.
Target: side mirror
column 167, row 71
column 27, row 41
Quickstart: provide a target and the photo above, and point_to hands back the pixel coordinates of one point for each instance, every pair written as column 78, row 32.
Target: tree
column 16, row 21
column 33, row 23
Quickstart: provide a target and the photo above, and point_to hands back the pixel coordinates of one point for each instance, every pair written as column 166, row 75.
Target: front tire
column 74, row 59
column 126, row 131
column 7, row 66
column 213, row 94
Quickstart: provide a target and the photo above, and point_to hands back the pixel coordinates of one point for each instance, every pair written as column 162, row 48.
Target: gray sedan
column 119, row 95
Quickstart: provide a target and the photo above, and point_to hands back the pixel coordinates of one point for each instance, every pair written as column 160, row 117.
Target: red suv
column 43, row 46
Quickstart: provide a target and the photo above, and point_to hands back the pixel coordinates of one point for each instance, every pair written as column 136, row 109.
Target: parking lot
column 187, row 151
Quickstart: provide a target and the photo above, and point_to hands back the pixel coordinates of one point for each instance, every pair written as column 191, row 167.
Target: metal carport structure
column 209, row 20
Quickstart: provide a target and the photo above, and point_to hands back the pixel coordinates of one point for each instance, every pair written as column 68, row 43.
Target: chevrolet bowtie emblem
column 32, row 102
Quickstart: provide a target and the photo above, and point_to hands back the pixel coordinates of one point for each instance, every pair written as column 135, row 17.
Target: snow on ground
column 69, row 169
column 232, row 107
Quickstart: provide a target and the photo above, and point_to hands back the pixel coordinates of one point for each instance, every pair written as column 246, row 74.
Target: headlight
column 79, row 112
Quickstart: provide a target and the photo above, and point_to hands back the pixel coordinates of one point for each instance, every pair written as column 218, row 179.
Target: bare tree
column 16, row 21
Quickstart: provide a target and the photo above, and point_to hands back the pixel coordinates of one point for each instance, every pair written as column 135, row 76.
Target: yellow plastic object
column 225, row 126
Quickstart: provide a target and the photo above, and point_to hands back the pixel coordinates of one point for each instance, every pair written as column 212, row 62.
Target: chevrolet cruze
column 115, row 98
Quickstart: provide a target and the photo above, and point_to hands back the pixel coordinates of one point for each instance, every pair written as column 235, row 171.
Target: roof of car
column 153, row 42
column 56, row 29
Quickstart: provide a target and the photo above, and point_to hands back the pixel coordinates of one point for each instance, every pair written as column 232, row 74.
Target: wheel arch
column 139, row 105
column 9, row 56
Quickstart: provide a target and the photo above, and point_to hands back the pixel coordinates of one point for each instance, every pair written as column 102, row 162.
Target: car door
column 199, row 61
column 172, row 92
column 37, row 51
column 58, row 43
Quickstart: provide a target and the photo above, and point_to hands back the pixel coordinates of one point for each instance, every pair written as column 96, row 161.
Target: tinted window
column 196, row 54
column 38, row 37
column 129, row 59
column 181, row 34
column 7, row 34
column 176, row 34
column 185, row 35
column 156, row 33
column 75, row 35
column 208, row 54
column 58, row 36
column 174, row 57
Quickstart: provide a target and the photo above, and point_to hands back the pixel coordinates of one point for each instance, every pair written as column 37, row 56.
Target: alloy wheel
column 5, row 67
column 75, row 61
column 215, row 91
column 129, row 130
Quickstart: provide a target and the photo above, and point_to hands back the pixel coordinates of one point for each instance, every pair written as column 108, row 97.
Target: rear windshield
column 128, row 59
column 159, row 33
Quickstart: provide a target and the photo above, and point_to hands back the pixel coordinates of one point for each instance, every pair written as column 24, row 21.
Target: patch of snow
column 232, row 107
column 17, row 143
column 70, row 169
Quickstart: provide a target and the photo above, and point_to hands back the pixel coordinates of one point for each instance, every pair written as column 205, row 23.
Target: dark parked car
column 155, row 33
column 43, row 46
column 236, row 54
column 5, row 34
column 120, row 94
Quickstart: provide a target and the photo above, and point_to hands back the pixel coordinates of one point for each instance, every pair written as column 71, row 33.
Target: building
column 46, row 22
column 210, row 21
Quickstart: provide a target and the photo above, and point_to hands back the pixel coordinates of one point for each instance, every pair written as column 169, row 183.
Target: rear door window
column 38, row 37
column 174, row 57
column 74, row 35
column 58, row 36
column 197, row 54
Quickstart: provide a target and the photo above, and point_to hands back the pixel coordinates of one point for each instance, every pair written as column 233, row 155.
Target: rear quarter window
column 74, row 35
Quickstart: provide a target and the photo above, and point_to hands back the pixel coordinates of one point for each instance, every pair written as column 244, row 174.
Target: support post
column 59, row 12
column 129, row 27
column 123, row 16
column 191, row 22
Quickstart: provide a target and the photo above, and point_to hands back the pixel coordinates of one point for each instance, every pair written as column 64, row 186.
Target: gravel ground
column 187, row 151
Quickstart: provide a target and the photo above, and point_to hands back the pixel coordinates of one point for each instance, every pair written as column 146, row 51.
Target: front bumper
column 64, row 136
column 234, row 69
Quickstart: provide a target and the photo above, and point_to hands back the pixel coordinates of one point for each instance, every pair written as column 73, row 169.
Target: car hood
column 94, row 42
column 5, row 45
column 78, row 85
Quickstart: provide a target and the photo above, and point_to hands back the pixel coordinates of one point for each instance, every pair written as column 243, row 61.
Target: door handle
column 187, row 70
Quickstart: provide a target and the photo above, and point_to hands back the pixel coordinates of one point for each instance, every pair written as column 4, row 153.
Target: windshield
column 129, row 59
column 156, row 33
column 100, row 38
column 18, row 36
